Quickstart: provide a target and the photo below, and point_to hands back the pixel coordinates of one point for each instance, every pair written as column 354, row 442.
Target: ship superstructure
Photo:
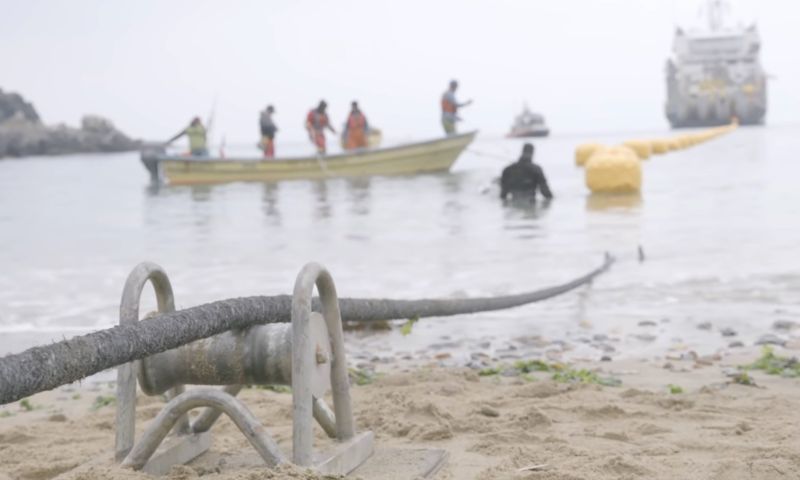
column 715, row 74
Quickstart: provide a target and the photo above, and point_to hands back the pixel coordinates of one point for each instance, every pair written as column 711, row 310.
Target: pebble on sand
column 728, row 332
column 784, row 325
column 770, row 339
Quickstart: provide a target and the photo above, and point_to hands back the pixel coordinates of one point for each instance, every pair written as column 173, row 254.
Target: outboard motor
column 150, row 156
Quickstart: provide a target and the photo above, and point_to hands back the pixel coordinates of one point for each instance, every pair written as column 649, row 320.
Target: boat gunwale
column 314, row 158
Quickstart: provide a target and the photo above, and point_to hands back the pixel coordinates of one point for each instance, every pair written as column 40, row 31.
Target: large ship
column 715, row 74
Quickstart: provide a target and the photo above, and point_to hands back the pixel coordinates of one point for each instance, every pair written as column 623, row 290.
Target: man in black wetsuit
column 523, row 178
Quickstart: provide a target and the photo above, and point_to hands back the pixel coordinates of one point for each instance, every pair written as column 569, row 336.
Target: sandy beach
column 674, row 418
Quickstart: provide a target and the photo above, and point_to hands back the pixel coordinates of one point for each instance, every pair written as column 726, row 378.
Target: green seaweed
column 585, row 376
column 406, row 328
column 561, row 373
column 26, row 404
column 743, row 378
column 362, row 377
column 272, row 388
column 769, row 363
column 102, row 401
column 772, row 364
column 5, row 414
column 528, row 366
column 675, row 389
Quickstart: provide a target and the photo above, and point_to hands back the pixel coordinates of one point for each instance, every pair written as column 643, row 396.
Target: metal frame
column 308, row 359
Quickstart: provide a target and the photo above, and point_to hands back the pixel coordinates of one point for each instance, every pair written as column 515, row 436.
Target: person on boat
column 316, row 123
column 268, row 130
column 355, row 129
column 450, row 108
column 523, row 178
column 196, row 133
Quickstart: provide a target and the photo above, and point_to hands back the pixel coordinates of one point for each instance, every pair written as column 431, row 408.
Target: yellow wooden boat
column 422, row 157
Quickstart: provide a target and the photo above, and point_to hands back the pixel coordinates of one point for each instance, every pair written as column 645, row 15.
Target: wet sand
column 681, row 417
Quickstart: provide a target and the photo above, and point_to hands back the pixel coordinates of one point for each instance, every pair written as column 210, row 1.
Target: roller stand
column 307, row 355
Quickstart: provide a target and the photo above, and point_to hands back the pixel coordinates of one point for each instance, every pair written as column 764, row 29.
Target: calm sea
column 719, row 225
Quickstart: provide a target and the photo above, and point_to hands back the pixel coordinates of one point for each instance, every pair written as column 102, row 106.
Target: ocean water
column 719, row 224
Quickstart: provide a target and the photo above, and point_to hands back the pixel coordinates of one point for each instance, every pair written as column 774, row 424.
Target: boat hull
column 431, row 156
column 530, row 133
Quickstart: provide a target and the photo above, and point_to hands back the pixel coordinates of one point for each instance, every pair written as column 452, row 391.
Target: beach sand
column 493, row 426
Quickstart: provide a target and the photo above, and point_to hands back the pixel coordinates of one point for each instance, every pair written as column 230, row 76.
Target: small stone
column 605, row 358
column 607, row 348
column 484, row 345
column 704, row 326
column 770, row 339
column 645, row 337
column 742, row 427
column 477, row 365
column 728, row 332
column 784, row 325
column 736, row 344
column 647, row 323
column 664, row 320
column 600, row 337
column 489, row 411
column 510, row 372
column 553, row 355
column 442, row 356
column 690, row 355
column 793, row 344
column 58, row 417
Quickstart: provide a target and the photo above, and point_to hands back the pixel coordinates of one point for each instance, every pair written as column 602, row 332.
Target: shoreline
column 679, row 418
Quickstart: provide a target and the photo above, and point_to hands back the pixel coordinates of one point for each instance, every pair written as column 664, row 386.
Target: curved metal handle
column 126, row 379
column 312, row 275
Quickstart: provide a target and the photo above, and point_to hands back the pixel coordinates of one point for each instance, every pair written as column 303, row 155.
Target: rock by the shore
column 22, row 133
column 770, row 339
column 785, row 325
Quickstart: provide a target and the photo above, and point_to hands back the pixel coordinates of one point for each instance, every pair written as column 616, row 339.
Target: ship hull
column 713, row 112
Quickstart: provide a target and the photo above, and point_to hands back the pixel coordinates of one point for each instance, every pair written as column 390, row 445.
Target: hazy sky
column 587, row 65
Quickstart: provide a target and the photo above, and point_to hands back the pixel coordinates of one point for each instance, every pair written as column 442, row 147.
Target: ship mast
column 716, row 14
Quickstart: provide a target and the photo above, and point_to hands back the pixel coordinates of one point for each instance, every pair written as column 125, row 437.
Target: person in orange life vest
column 355, row 129
column 316, row 123
column 450, row 108
column 268, row 130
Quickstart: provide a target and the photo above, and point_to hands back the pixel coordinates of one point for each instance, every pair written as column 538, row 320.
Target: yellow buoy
column 640, row 147
column 614, row 170
column 584, row 151
column 673, row 144
column 658, row 146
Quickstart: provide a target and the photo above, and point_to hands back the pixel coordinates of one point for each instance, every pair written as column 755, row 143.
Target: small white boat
column 422, row 157
column 529, row 124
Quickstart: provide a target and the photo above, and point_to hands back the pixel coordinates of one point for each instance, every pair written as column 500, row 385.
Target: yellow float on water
column 614, row 170
column 640, row 147
column 658, row 146
column 584, row 151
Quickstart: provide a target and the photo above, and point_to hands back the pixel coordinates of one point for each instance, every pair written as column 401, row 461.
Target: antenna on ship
column 716, row 13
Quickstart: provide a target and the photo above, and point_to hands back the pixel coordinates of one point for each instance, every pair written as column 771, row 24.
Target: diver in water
column 523, row 178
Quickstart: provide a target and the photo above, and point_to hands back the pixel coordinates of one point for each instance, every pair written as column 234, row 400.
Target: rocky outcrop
column 22, row 133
